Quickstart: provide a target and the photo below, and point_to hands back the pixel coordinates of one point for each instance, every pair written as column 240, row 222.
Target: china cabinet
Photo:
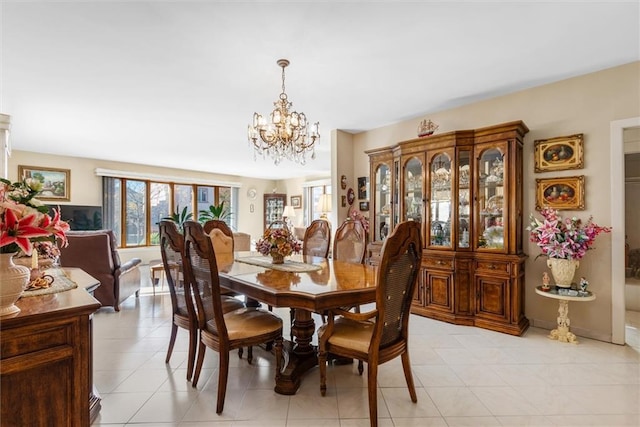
column 273, row 207
column 465, row 188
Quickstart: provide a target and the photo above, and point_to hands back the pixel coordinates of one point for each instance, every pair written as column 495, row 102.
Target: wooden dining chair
column 382, row 334
column 222, row 331
column 220, row 234
column 350, row 242
column 184, row 311
column 317, row 239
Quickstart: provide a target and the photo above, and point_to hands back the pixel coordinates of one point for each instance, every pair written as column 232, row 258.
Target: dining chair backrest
column 220, row 234
column 350, row 242
column 397, row 277
column 317, row 239
column 171, row 247
column 201, row 272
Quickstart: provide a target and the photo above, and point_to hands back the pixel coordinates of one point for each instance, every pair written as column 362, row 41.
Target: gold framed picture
column 56, row 183
column 560, row 193
column 561, row 153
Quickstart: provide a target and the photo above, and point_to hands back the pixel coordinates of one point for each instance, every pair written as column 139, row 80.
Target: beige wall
column 585, row 104
column 86, row 188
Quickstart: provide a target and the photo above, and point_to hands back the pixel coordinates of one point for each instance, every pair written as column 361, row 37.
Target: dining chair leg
column 406, row 366
column 196, row 373
column 372, row 385
column 250, row 354
column 240, row 352
column 193, row 342
column 322, row 364
column 223, row 373
column 172, row 341
column 360, row 367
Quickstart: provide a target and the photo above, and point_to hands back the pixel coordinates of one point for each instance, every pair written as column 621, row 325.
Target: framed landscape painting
column 56, row 183
column 561, row 153
column 560, row 193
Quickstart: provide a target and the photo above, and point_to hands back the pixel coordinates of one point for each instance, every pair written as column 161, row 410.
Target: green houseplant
column 221, row 212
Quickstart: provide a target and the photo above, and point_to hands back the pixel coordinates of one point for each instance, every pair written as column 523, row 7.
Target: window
column 312, row 208
column 135, row 203
column 141, row 204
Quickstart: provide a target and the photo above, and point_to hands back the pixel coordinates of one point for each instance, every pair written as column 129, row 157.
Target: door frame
column 617, row 128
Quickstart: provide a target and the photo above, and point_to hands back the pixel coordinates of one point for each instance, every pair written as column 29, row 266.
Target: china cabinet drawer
column 441, row 263
column 493, row 267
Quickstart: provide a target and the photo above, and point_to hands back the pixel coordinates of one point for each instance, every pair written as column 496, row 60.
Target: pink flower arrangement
column 24, row 219
column 563, row 239
column 356, row 215
column 278, row 241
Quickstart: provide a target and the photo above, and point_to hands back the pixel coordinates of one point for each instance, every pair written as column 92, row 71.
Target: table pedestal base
column 299, row 356
column 561, row 333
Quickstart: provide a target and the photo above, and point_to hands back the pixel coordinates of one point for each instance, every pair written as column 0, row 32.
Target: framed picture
column 363, row 188
column 561, row 153
column 364, row 206
column 344, row 201
column 56, row 183
column 296, row 202
column 560, row 193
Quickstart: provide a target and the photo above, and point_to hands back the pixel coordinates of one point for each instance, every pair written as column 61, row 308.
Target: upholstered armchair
column 96, row 253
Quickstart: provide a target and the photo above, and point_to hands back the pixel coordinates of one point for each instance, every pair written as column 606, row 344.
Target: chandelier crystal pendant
column 286, row 135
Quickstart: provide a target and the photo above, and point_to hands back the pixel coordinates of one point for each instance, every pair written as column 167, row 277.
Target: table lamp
column 288, row 214
column 325, row 205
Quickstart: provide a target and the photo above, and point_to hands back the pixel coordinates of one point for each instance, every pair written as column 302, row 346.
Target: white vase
column 14, row 280
column 563, row 270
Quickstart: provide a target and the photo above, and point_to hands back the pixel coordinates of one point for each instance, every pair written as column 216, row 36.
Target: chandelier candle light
column 286, row 135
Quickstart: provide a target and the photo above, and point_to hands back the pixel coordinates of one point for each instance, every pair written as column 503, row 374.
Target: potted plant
column 221, row 212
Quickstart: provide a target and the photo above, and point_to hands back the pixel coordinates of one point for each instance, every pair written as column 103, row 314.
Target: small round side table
column 562, row 333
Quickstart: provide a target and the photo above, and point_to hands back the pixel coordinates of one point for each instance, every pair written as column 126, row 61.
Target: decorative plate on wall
column 350, row 196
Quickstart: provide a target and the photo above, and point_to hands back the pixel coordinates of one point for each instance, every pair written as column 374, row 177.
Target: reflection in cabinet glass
column 413, row 204
column 440, row 200
column 490, row 230
column 382, row 201
column 464, row 197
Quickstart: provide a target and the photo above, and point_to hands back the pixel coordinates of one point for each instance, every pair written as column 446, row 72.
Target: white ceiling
column 175, row 83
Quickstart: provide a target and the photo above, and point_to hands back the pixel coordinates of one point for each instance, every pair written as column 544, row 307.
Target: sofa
column 96, row 253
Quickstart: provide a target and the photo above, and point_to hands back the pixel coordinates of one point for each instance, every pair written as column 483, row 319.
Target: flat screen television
column 81, row 217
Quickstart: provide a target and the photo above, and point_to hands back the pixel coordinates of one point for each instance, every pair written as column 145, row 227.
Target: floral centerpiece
column 25, row 222
column 356, row 215
column 278, row 243
column 563, row 239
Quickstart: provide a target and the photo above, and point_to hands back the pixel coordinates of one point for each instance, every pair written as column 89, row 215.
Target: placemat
column 60, row 283
column 292, row 266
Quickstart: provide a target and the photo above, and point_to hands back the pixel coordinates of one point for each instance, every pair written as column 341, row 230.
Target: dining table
column 306, row 284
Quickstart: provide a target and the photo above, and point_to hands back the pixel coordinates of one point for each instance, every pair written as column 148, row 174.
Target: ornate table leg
column 302, row 355
column 561, row 333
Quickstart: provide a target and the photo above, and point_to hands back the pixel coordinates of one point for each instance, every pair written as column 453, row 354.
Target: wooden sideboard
column 46, row 350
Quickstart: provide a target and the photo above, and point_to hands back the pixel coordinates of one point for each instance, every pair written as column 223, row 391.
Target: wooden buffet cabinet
column 465, row 188
column 46, row 371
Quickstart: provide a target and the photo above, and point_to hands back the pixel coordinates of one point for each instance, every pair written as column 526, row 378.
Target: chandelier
column 286, row 135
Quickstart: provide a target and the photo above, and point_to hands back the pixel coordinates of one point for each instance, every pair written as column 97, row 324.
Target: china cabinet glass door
column 413, row 196
column 490, row 230
column 464, row 198
column 440, row 200
column 382, row 202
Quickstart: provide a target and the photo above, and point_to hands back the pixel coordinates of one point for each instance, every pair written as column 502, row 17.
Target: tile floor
column 465, row 376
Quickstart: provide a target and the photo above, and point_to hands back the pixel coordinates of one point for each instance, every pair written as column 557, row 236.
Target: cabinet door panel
column 492, row 297
column 439, row 290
